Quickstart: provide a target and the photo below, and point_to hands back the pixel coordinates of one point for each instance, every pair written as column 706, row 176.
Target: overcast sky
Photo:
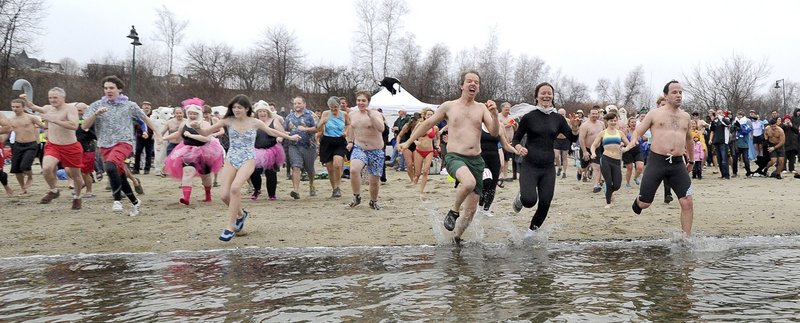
column 584, row 39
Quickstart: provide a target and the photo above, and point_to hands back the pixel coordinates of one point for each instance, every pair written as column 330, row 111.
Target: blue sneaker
column 227, row 235
column 240, row 221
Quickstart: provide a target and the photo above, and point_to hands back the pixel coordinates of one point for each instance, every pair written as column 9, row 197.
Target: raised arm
column 212, row 129
column 260, row 125
column 439, row 115
column 30, row 104
column 324, row 119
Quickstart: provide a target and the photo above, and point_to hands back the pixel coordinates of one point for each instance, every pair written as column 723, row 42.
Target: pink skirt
column 269, row 158
column 205, row 159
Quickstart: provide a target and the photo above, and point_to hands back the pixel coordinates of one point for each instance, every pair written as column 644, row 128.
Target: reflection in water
column 710, row 280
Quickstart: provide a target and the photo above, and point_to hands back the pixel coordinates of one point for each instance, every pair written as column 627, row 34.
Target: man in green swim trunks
column 463, row 160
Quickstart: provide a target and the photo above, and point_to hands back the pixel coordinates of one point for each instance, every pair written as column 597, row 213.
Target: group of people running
column 254, row 136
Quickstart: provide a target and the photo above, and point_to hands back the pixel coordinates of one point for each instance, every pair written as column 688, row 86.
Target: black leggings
column 492, row 161
column 272, row 180
column 611, row 168
column 119, row 183
column 537, row 184
column 3, row 178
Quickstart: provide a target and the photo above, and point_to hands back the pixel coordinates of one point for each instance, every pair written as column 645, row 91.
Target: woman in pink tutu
column 269, row 152
column 196, row 155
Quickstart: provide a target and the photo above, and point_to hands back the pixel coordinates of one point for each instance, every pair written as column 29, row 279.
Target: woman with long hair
column 240, row 160
column 408, row 154
column 423, row 154
column 196, row 155
column 269, row 152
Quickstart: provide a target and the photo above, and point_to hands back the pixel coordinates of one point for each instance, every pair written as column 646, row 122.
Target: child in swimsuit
column 240, row 161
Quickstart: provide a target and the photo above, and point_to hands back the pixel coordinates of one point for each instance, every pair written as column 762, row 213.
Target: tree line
column 275, row 68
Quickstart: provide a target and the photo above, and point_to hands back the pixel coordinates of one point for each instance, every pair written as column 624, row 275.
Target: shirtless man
column 26, row 144
column 672, row 138
column 775, row 138
column 508, row 127
column 586, row 136
column 62, row 145
column 173, row 125
column 365, row 141
column 463, row 160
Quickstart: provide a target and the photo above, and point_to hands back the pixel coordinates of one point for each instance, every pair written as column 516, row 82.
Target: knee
column 235, row 190
column 110, row 168
column 686, row 203
column 616, row 186
column 225, row 197
column 529, row 201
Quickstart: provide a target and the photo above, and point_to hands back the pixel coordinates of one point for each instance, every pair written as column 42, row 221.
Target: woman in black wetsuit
column 537, row 174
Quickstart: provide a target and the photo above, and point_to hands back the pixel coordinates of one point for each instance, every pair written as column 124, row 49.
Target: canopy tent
column 391, row 104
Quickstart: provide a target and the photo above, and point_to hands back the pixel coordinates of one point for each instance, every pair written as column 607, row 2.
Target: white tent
column 403, row 100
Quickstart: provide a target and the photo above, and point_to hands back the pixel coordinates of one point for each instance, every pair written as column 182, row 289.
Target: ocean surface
column 671, row 280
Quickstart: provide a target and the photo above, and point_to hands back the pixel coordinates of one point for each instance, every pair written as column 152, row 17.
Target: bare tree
column 170, row 32
column 603, row 90
column 249, row 71
column 505, row 71
column 70, row 65
column 210, row 64
column 19, row 25
column 410, row 64
column 284, row 58
column 634, row 86
column 731, row 85
column 374, row 42
column 529, row 71
column 570, row 91
column 435, row 83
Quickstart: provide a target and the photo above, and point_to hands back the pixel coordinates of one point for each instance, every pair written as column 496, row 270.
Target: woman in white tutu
column 269, row 152
column 196, row 155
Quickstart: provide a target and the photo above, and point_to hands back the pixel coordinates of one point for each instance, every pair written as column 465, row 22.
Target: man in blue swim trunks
column 365, row 141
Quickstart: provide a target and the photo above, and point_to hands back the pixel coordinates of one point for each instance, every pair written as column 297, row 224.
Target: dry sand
column 737, row 207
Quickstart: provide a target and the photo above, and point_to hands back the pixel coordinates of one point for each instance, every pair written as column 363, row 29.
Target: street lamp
column 135, row 37
column 782, row 86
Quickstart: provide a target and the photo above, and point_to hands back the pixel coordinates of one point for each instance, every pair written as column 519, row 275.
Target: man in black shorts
column 561, row 148
column 775, row 138
column 26, row 143
column 669, row 127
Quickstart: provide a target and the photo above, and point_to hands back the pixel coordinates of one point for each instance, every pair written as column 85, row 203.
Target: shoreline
column 722, row 209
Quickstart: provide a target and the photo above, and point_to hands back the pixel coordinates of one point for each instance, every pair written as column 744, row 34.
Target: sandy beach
column 737, row 207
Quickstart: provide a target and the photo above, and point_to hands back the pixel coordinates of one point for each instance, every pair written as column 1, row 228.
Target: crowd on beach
column 480, row 146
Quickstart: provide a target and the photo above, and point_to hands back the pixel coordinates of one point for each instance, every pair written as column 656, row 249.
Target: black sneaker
column 596, row 189
column 294, row 195
column 374, row 205
column 518, row 203
column 667, row 199
column 450, row 220
column 356, row 201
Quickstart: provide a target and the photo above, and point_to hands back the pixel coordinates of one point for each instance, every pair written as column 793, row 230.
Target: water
column 709, row 279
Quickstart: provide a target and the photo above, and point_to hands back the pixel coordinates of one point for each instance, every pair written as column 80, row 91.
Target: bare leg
column 465, row 188
column 355, row 175
column 469, row 213
column 87, row 181
column 409, row 157
column 49, row 167
column 418, row 160
column 232, row 189
column 75, row 174
column 687, row 214
column 374, row 186
column 296, row 178
column 425, row 165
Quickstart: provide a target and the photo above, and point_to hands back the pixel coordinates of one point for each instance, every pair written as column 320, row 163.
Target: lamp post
column 782, row 86
column 135, row 37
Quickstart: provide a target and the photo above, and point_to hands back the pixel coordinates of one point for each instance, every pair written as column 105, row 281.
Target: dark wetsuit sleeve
column 521, row 131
